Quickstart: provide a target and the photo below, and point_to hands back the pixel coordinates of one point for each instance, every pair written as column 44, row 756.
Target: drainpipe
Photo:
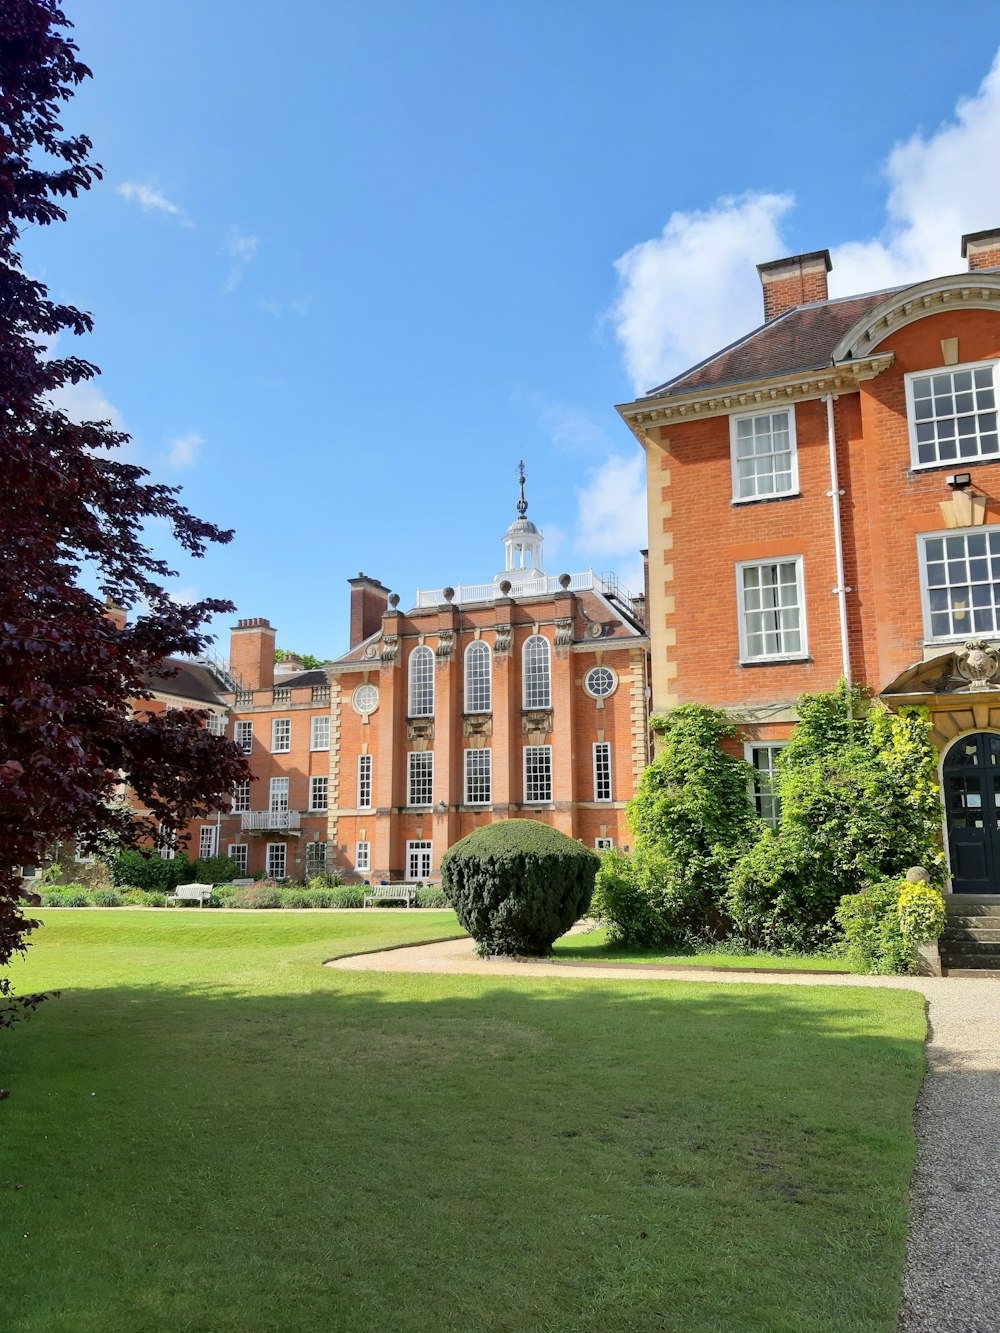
column 841, row 590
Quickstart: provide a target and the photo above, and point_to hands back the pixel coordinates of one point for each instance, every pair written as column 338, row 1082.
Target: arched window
column 478, row 683
column 421, row 682
column 536, row 673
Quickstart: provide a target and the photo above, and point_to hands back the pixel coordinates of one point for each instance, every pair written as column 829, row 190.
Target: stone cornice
column 778, row 390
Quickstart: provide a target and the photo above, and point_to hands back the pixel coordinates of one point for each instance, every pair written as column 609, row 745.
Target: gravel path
column 952, row 1278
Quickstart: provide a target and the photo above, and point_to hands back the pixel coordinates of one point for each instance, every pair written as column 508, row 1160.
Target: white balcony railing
column 530, row 587
column 261, row 821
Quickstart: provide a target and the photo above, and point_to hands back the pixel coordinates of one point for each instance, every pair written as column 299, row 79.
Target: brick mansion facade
column 524, row 696
column 824, row 501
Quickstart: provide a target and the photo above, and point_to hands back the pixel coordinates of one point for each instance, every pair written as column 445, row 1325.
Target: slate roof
column 301, row 679
column 801, row 339
column 191, row 681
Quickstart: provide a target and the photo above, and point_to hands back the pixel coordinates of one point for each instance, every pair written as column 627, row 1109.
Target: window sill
column 955, row 464
column 738, row 500
column 774, row 661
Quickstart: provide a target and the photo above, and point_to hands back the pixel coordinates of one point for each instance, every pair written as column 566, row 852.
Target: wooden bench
column 190, row 893
column 391, row 893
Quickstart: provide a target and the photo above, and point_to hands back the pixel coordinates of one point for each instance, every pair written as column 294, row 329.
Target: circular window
column 365, row 699
column 599, row 682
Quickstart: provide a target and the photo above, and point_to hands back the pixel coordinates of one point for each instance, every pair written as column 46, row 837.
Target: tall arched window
column 421, row 682
column 478, row 682
column 536, row 673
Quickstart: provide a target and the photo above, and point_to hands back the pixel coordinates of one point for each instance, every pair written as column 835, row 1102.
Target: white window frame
column 365, row 780
column 424, row 778
column 320, row 782
column 272, row 858
column 757, row 789
column 803, row 649
column 420, row 682
column 316, row 856
column 536, row 676
column 421, row 851
column 478, row 694
column 208, row 846
column 81, row 856
column 363, row 856
column 600, row 671
column 238, row 853
column 604, row 844
column 958, row 463
column 319, row 731
column 281, row 735
column 793, row 488
column 277, row 796
column 478, row 774
column 243, row 736
column 967, row 632
column 599, row 748
column 241, row 798
column 540, row 750
column 215, row 724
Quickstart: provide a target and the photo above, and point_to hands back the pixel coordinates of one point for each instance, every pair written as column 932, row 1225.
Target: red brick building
column 523, row 696
column 824, row 501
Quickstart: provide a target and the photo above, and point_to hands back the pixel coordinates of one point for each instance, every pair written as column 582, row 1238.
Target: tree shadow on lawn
column 448, row 1153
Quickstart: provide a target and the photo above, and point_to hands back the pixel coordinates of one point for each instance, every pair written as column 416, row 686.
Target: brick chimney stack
column 982, row 249
column 251, row 653
column 794, row 281
column 369, row 599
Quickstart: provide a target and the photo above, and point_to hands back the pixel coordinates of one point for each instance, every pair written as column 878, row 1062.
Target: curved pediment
column 969, row 668
column 975, row 291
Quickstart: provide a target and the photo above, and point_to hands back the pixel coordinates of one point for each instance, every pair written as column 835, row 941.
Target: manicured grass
column 593, row 947
column 213, row 1132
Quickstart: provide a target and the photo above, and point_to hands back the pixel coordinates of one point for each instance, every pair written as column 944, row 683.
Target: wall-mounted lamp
column 959, row 481
column 442, row 808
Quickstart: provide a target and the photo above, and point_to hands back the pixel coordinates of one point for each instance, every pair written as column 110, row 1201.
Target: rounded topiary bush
column 518, row 885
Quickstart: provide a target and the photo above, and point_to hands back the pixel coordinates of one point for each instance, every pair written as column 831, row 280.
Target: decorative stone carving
column 537, row 721
column 978, row 662
column 446, row 645
column 501, row 646
column 420, row 729
column 479, row 727
column 564, row 633
column 390, row 647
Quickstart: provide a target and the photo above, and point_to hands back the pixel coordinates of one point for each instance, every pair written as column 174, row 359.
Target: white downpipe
column 841, row 589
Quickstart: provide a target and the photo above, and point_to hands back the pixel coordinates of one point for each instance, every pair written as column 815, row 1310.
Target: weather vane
column 522, row 504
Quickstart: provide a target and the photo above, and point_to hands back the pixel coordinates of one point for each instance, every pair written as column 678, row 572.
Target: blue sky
column 351, row 261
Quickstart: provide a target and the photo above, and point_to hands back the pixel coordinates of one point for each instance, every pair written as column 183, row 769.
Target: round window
column 365, row 699
column 600, row 682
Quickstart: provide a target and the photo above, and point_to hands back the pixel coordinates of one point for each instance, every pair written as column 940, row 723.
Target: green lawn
column 593, row 947
column 213, row 1132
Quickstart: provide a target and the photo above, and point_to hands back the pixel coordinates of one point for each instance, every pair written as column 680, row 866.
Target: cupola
column 522, row 543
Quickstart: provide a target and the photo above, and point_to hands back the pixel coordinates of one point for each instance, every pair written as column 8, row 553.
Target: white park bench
column 191, row 893
column 391, row 893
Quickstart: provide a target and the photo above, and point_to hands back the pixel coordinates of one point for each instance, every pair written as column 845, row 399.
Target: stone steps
column 970, row 943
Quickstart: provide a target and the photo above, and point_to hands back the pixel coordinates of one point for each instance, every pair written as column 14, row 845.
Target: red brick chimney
column 251, row 653
column 982, row 249
column 794, row 281
column 369, row 599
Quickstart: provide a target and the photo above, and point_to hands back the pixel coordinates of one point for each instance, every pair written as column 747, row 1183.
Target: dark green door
column 972, row 804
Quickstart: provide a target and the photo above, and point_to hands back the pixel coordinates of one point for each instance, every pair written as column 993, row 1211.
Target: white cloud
column 573, row 431
column 85, row 402
column 690, row 290
column 694, row 289
column 611, row 516
column 150, row 199
column 242, row 250
column 938, row 188
column 296, row 305
column 183, row 451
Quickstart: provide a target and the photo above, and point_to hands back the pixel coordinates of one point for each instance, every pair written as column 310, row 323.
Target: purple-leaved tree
column 72, row 724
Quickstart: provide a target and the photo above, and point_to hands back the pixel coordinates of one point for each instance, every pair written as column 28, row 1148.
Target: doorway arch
column 970, row 789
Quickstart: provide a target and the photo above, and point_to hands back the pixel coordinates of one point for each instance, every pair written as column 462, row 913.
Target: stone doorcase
column 961, row 691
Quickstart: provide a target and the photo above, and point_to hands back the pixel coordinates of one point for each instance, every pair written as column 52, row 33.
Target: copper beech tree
column 73, row 729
